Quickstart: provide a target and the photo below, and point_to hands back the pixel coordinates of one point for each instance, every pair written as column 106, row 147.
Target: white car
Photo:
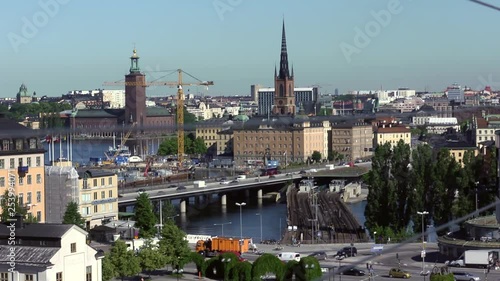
column 224, row 182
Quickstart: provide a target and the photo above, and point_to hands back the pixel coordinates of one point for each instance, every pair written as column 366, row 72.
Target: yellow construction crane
column 180, row 102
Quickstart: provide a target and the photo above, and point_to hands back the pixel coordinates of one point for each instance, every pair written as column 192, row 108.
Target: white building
column 305, row 97
column 388, row 96
column 455, row 93
column 116, row 98
column 47, row 252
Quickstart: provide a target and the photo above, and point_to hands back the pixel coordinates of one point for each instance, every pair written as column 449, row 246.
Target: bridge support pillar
column 182, row 206
column 223, row 199
column 197, row 200
column 259, row 194
column 247, row 193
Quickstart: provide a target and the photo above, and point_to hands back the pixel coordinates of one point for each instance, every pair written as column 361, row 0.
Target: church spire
column 284, row 72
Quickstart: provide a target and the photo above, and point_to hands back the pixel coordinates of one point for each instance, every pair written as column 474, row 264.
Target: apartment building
column 282, row 138
column 46, row 252
column 353, row 140
column 22, row 166
column 483, row 128
column 98, row 196
column 391, row 132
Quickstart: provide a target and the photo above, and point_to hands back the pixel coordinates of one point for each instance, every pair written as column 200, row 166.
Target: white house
column 47, row 252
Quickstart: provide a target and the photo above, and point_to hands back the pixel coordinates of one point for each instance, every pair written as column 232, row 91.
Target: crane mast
column 180, row 121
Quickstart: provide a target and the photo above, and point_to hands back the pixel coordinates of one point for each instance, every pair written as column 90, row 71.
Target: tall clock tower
column 284, row 96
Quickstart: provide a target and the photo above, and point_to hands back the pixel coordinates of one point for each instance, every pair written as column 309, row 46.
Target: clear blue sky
column 428, row 43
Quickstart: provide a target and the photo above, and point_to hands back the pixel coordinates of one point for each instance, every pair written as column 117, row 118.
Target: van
column 241, row 177
column 288, row 256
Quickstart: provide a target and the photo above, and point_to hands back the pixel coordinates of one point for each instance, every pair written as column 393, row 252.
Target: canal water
column 209, row 219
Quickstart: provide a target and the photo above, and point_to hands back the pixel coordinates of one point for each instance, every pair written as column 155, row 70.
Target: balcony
column 22, row 170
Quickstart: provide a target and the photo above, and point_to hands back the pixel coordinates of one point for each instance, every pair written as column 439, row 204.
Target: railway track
column 336, row 223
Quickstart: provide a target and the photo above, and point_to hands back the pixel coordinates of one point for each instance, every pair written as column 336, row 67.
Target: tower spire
column 284, row 72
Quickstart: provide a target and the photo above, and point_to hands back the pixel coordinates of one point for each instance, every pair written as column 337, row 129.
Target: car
column 350, row 270
column 224, row 182
column 349, row 251
column 161, row 192
column 302, row 172
column 272, row 176
column 181, row 188
column 235, row 181
column 320, row 255
column 140, row 191
column 172, row 186
column 399, row 273
column 455, row 263
column 465, row 276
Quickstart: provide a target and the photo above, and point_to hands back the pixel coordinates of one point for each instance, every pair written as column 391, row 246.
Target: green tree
column 168, row 211
column 10, row 206
column 310, row 268
column 168, row 147
column 108, row 269
column 145, row 218
column 268, row 263
column 199, row 261
column 199, row 146
column 401, row 173
column 316, row 156
column 73, row 216
column 124, row 262
column 150, row 258
column 173, row 245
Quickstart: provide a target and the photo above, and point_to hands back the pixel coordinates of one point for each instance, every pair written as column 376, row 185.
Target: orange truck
column 216, row 245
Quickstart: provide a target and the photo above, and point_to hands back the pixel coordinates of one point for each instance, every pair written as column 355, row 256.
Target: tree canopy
column 18, row 111
column 123, row 261
column 192, row 145
column 173, row 245
column 403, row 182
column 145, row 219
column 73, row 216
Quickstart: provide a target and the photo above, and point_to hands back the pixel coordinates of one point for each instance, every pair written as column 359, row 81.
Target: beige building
column 458, row 149
column 22, row 167
column 391, row 132
column 353, row 140
column 483, row 128
column 98, row 196
column 209, row 131
column 286, row 139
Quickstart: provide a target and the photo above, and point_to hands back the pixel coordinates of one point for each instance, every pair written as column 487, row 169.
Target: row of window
column 18, row 144
column 96, row 209
column 485, row 138
column 4, row 276
column 86, row 184
column 21, row 163
column 29, row 180
column 486, row 132
column 401, row 136
column 86, row 197
column 28, row 198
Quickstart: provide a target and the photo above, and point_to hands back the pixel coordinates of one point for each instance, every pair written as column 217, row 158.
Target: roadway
column 161, row 191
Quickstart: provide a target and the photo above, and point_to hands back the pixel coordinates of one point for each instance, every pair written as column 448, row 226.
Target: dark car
column 320, row 255
column 347, row 252
column 235, row 181
column 349, row 270
column 181, row 187
column 140, row 191
column 272, row 176
column 302, row 172
column 172, row 186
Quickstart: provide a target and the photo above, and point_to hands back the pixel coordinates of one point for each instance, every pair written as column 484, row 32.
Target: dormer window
column 5, row 145
column 32, row 143
column 19, row 144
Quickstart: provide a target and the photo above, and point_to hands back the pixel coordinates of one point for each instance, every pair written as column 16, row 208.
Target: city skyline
column 54, row 46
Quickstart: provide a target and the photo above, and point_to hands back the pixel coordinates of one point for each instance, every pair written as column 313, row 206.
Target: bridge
column 162, row 192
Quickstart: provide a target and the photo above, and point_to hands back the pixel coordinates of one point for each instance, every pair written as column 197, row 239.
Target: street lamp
column 260, row 215
column 241, row 217
column 423, row 213
column 222, row 226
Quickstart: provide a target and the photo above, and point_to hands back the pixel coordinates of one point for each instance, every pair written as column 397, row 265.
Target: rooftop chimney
column 19, row 221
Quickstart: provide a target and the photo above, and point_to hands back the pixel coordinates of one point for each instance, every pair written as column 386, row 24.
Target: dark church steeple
column 284, row 94
column 284, row 72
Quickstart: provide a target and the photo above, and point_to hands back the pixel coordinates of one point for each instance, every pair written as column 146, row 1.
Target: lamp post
column 477, row 183
column 241, row 217
column 423, row 213
column 222, row 227
column 241, row 222
column 260, row 215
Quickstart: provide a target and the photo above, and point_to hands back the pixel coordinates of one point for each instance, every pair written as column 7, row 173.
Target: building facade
column 22, row 167
column 61, row 188
column 47, row 252
column 352, row 140
column 98, row 196
column 391, row 133
column 307, row 97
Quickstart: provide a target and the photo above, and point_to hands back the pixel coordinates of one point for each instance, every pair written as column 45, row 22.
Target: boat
column 120, row 150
